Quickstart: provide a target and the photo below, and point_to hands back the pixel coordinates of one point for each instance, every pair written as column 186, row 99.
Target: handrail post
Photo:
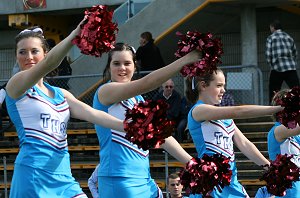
column 5, row 176
column 129, row 6
column 166, row 173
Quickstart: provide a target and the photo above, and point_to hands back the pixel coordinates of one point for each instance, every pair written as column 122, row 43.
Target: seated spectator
column 93, row 183
column 182, row 130
column 174, row 186
column 262, row 192
column 227, row 100
column 3, row 110
column 173, row 98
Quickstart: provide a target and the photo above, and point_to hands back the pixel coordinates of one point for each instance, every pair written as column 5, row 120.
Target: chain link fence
column 244, row 83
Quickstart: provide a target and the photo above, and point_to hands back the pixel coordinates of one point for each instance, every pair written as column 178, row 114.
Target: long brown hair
column 118, row 47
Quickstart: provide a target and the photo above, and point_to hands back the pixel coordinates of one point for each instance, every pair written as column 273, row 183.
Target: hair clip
column 37, row 30
column 193, row 83
column 132, row 49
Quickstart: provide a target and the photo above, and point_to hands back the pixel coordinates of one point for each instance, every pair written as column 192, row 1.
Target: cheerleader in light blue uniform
column 213, row 130
column 40, row 113
column 124, row 168
column 282, row 140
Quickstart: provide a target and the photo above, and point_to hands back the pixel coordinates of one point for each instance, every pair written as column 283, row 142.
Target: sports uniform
column 215, row 136
column 289, row 146
column 124, row 168
column 42, row 167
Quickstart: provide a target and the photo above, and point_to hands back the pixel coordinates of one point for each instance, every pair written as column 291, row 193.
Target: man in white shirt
column 93, row 183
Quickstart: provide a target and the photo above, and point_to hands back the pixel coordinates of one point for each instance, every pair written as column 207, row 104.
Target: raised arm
column 282, row 133
column 47, row 61
column 210, row 112
column 122, row 91
column 83, row 111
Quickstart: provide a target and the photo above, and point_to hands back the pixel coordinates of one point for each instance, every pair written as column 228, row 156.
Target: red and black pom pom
column 147, row 125
column 98, row 33
column 210, row 47
column 201, row 176
column 290, row 116
column 280, row 175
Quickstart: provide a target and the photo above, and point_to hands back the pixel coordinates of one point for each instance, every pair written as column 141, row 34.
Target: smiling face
column 29, row 52
column 213, row 92
column 122, row 66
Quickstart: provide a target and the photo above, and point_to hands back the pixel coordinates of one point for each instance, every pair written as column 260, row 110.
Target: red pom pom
column 290, row 116
column 280, row 175
column 146, row 124
column 202, row 175
column 211, row 52
column 98, row 33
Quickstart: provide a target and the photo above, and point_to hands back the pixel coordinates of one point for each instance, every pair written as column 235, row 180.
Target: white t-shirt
column 2, row 95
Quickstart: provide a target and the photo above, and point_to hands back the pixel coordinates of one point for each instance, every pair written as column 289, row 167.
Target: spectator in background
column 148, row 58
column 64, row 69
column 93, row 183
column 3, row 110
column 173, row 98
column 281, row 54
column 182, row 131
column 174, row 186
column 227, row 100
column 148, row 54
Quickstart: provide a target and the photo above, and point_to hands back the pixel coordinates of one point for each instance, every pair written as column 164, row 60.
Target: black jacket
column 149, row 57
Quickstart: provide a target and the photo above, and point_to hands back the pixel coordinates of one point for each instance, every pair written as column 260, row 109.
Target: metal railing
column 245, row 83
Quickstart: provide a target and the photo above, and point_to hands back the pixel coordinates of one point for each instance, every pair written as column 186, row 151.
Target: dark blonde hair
column 192, row 92
column 117, row 48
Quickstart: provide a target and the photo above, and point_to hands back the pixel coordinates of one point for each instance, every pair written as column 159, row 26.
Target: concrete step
column 258, row 119
column 255, row 126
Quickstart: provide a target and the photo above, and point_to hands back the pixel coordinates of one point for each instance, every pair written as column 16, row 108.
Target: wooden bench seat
column 252, row 182
column 9, row 150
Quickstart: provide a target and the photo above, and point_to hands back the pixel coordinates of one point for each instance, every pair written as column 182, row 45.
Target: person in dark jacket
column 173, row 98
column 148, row 54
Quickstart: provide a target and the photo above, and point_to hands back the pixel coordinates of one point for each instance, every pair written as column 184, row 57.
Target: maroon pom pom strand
column 201, row 176
column 210, row 47
column 98, row 32
column 147, row 125
column 280, row 175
